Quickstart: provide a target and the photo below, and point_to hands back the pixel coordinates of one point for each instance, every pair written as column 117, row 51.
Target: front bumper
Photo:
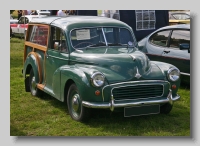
column 114, row 104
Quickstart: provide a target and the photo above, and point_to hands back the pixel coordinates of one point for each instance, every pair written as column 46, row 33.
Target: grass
column 46, row 116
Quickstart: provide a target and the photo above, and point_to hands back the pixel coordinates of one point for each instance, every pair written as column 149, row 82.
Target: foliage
column 11, row 11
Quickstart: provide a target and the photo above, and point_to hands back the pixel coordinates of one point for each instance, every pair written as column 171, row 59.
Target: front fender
column 82, row 81
column 164, row 67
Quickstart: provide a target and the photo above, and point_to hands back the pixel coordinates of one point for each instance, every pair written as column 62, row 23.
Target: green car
column 93, row 62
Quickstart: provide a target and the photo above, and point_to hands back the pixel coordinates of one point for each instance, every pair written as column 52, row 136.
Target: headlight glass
column 97, row 79
column 173, row 74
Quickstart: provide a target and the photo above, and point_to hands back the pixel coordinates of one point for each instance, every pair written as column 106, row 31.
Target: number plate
column 141, row 110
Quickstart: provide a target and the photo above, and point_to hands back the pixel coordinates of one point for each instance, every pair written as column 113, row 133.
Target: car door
column 56, row 56
column 176, row 56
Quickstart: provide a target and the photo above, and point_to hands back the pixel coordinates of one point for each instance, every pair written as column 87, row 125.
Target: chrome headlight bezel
column 173, row 74
column 95, row 79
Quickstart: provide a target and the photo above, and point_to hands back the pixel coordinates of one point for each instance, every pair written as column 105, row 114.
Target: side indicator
column 173, row 87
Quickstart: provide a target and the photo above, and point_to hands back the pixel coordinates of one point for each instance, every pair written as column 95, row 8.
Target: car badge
column 137, row 74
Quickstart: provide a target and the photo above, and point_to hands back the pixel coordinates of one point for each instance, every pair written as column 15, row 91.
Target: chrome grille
column 137, row 92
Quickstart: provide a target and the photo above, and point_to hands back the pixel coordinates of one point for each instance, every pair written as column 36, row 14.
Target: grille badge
column 137, row 74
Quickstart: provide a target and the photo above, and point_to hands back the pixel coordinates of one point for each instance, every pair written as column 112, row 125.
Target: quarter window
column 38, row 35
column 181, row 16
column 179, row 37
column 160, row 38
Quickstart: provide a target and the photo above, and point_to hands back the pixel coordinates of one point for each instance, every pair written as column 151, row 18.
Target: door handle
column 166, row 51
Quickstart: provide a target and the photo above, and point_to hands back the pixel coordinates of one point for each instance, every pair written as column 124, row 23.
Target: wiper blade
column 98, row 44
column 116, row 44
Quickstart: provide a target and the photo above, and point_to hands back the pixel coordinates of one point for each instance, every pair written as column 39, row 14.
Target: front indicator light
column 97, row 92
column 173, row 87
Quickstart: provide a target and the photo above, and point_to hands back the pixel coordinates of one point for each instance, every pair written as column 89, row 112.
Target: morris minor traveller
column 93, row 62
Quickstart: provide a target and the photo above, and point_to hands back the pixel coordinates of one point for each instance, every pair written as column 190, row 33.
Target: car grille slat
column 136, row 92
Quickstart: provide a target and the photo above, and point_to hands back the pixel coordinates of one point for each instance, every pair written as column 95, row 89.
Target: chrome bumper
column 113, row 105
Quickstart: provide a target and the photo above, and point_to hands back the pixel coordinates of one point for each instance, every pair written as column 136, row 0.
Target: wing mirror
column 185, row 46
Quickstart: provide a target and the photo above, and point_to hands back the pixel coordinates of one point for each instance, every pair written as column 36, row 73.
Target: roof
column 72, row 21
column 183, row 26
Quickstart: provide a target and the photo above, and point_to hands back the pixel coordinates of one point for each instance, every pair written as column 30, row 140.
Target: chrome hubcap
column 33, row 84
column 75, row 102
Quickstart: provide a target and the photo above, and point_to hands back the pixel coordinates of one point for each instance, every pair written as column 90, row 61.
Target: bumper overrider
column 113, row 104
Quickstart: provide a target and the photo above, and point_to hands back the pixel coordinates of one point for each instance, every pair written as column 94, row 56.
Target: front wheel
column 166, row 108
column 33, row 85
column 75, row 108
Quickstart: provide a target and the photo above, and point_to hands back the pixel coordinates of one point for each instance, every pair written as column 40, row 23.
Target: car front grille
column 137, row 92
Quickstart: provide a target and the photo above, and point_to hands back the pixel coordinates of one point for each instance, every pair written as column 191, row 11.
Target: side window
column 21, row 20
column 179, row 37
column 26, row 20
column 58, row 40
column 160, row 38
column 38, row 34
column 181, row 16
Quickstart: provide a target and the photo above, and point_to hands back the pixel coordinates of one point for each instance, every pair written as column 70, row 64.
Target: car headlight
column 173, row 74
column 97, row 79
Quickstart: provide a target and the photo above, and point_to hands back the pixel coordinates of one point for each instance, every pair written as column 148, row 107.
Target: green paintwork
column 118, row 64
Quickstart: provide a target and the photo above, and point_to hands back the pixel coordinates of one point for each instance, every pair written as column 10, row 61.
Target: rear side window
column 160, row 38
column 38, row 34
column 179, row 37
column 181, row 16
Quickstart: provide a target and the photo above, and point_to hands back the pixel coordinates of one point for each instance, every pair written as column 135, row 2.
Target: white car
column 20, row 27
column 43, row 12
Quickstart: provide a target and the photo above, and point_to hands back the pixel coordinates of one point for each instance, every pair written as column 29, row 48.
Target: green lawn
column 46, row 116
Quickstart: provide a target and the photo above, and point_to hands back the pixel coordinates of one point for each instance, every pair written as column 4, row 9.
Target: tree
column 11, row 11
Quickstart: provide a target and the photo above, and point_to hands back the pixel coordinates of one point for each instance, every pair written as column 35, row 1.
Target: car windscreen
column 101, row 36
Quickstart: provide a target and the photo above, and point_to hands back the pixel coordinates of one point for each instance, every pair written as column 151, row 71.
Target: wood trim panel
column 38, row 62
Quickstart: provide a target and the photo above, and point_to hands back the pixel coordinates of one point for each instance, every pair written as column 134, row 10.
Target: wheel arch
column 66, row 88
column 32, row 62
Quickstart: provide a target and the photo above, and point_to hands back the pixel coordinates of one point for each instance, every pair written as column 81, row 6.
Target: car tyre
column 166, row 108
column 33, row 85
column 75, row 108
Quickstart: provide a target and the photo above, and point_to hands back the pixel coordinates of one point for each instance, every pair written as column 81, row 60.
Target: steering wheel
column 84, row 44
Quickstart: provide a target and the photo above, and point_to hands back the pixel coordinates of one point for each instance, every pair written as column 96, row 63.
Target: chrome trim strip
column 182, row 73
column 57, row 57
column 113, row 105
column 145, row 81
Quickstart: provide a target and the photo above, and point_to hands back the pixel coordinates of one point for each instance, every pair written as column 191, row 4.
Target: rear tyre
column 33, row 85
column 75, row 108
column 166, row 108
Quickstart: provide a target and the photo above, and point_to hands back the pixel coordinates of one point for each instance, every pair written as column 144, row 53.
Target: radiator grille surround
column 137, row 91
